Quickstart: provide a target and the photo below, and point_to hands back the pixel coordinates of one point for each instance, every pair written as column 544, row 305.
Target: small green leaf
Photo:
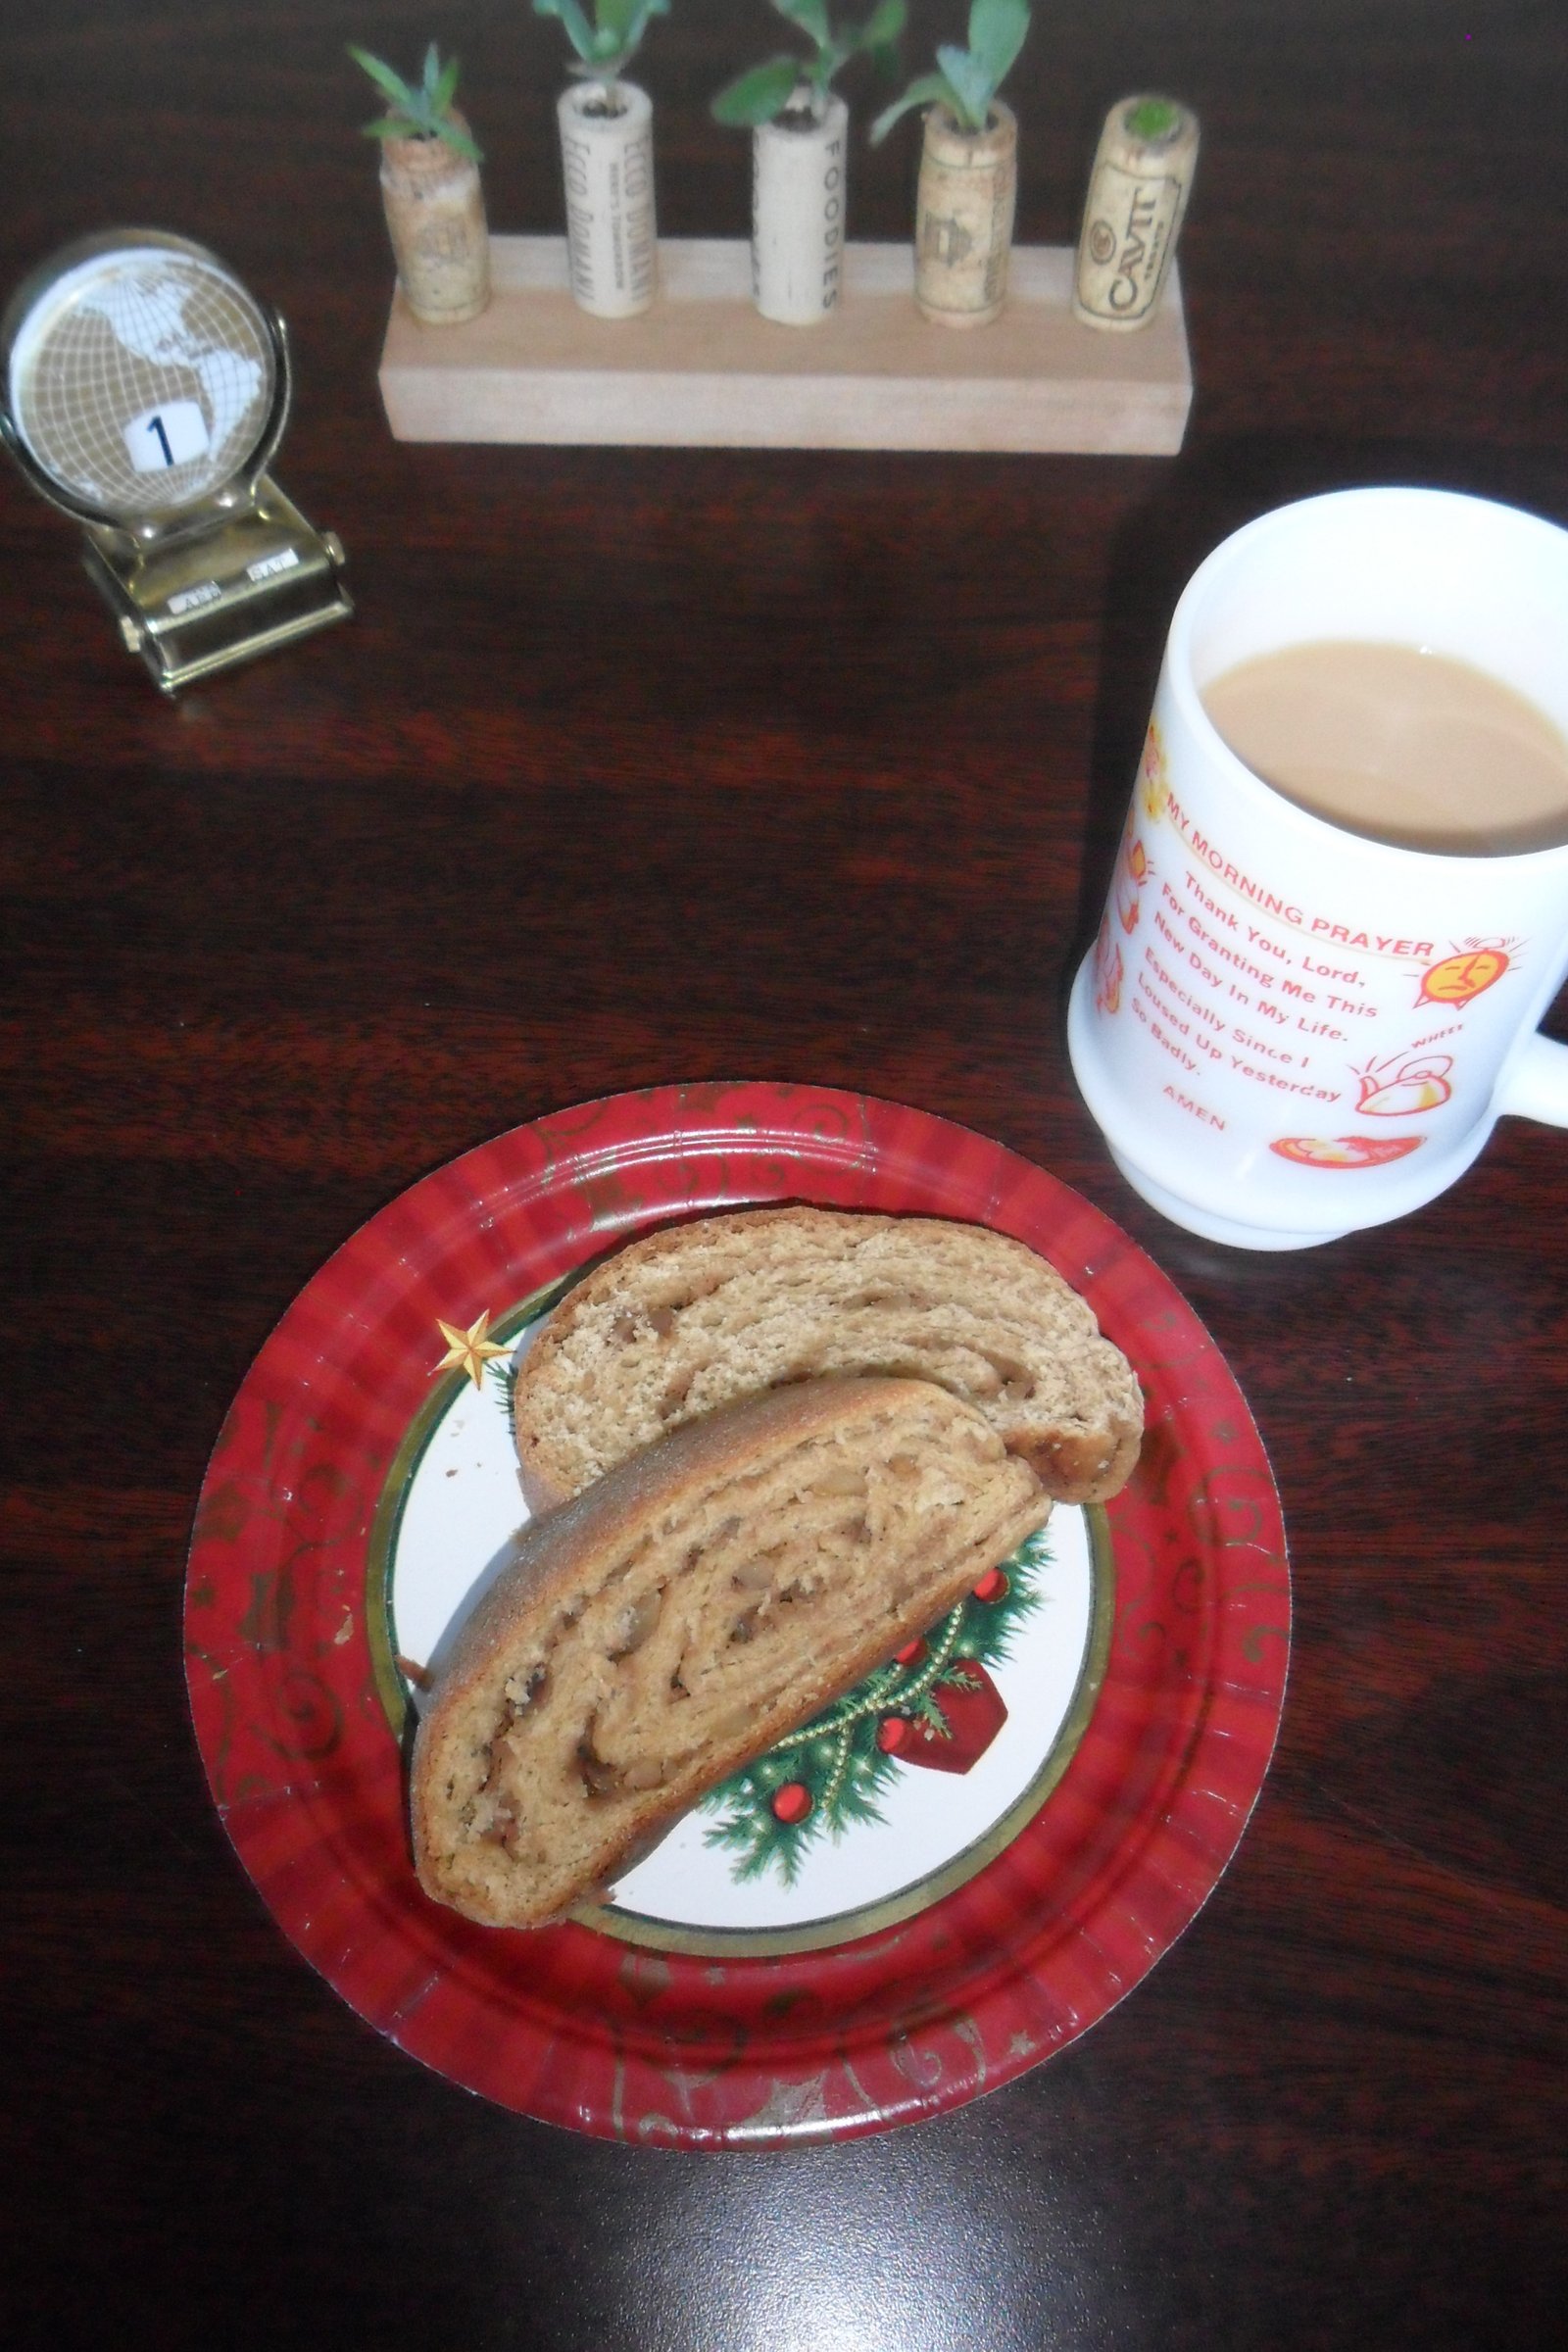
column 422, row 112
column 884, row 25
column 624, row 22
column 576, row 24
column 610, row 41
column 970, row 84
column 458, row 139
column 925, row 90
column 823, row 67
column 1152, row 118
column 997, row 32
column 391, row 85
column 446, row 87
column 759, row 96
column 810, row 16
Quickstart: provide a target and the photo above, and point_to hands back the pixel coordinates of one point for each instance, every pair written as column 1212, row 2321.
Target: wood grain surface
column 643, row 765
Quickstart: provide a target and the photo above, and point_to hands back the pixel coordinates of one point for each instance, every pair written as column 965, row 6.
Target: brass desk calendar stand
column 143, row 391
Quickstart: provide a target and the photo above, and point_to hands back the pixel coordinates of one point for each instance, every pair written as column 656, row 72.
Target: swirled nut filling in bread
column 686, row 1611
column 694, row 1315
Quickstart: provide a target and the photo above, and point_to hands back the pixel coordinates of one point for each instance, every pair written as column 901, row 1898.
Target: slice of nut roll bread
column 709, row 1594
column 691, row 1316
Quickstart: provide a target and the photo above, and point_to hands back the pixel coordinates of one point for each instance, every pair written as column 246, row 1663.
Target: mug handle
column 1534, row 1085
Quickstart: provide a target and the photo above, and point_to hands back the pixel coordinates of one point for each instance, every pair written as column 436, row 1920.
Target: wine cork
column 1138, row 191
column 607, row 158
column 963, row 217
column 799, row 171
column 436, row 217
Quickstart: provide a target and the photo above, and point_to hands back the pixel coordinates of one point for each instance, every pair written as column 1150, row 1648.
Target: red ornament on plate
column 792, row 1803
column 974, row 1711
column 993, row 1586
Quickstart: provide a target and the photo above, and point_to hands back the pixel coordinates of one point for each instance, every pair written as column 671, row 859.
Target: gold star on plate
column 467, row 1351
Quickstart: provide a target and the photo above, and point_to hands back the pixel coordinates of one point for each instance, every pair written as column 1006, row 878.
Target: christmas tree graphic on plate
column 935, row 1705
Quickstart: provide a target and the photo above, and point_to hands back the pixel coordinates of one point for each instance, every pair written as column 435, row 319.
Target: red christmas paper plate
column 944, row 1879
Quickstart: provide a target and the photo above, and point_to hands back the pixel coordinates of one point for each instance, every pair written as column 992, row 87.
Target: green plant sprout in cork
column 968, row 168
column 607, row 46
column 804, row 84
column 800, row 156
column 607, row 157
column 431, row 190
column 934, row 1704
column 1138, row 191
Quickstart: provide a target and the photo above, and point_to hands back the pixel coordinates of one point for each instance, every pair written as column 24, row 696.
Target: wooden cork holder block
column 702, row 370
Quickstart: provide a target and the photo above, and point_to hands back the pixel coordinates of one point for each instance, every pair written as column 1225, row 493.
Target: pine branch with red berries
column 827, row 1778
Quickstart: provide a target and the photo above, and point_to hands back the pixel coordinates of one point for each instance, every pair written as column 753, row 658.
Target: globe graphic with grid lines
column 143, row 381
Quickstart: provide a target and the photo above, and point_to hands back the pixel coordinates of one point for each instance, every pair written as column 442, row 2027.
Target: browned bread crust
column 686, row 1611
column 693, row 1316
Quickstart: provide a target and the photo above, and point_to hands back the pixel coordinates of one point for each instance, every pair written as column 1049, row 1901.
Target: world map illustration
column 148, row 386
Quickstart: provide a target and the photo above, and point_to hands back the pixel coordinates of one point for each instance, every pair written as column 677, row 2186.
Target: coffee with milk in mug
column 1400, row 743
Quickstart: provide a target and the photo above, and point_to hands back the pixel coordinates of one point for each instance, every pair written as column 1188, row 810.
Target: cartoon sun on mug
column 1398, row 1090
column 1475, row 965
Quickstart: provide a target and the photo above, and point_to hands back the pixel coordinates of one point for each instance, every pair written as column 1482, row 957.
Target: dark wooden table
column 637, row 767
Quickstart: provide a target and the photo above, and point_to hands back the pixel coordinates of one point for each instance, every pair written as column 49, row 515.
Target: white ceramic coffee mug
column 1287, row 1030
